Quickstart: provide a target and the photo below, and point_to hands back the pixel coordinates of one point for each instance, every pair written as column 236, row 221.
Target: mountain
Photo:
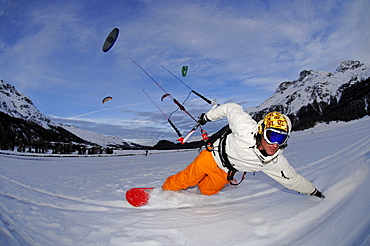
column 318, row 96
column 99, row 139
column 22, row 123
column 20, row 106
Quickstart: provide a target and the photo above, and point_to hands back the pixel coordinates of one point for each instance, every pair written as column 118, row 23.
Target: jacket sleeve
column 240, row 122
column 288, row 177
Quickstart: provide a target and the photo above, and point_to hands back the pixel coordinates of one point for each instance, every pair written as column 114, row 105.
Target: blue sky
column 237, row 51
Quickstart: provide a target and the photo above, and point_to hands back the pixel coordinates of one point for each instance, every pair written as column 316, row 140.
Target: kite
column 106, row 99
column 164, row 96
column 110, row 40
column 184, row 70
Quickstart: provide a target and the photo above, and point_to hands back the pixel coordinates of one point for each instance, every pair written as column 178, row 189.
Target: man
column 249, row 147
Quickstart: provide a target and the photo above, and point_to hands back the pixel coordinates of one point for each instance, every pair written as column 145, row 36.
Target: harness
column 222, row 135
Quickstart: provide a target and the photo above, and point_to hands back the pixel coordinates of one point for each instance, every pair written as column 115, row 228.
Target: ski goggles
column 274, row 136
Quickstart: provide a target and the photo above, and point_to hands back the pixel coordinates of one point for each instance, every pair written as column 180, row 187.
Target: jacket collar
column 266, row 159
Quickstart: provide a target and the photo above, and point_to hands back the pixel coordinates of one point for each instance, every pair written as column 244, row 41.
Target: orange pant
column 202, row 171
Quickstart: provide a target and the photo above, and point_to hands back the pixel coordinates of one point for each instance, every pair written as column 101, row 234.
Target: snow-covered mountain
column 99, row 139
column 19, row 106
column 321, row 96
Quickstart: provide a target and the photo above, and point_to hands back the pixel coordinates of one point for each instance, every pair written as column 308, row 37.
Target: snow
column 80, row 201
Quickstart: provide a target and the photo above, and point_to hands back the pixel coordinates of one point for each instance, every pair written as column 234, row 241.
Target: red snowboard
column 138, row 196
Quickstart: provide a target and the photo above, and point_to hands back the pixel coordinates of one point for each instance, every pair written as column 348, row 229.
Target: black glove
column 317, row 193
column 203, row 119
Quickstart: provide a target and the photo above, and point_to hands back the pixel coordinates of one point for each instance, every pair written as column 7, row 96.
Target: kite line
column 108, row 44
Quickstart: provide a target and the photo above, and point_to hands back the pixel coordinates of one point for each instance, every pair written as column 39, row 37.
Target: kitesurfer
column 248, row 146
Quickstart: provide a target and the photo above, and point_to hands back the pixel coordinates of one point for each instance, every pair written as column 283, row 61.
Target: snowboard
column 138, row 196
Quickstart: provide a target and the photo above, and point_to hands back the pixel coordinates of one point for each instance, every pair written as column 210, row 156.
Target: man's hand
column 203, row 119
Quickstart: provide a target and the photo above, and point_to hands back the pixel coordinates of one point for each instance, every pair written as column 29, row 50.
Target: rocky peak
column 346, row 65
column 20, row 106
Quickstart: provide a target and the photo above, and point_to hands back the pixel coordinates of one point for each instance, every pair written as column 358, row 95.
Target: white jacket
column 243, row 154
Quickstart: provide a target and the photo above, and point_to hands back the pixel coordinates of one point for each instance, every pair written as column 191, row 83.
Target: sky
column 236, row 51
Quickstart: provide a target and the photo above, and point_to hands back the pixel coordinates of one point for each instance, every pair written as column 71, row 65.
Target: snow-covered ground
column 81, row 201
